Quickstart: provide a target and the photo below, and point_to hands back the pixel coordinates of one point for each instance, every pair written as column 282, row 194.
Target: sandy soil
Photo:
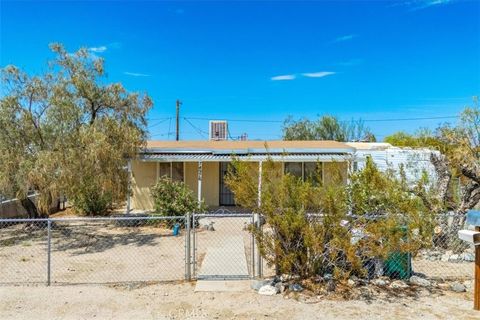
column 88, row 252
column 91, row 253
column 85, row 255
column 178, row 301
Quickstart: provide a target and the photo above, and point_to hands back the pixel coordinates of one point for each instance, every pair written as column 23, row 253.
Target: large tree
column 326, row 128
column 68, row 131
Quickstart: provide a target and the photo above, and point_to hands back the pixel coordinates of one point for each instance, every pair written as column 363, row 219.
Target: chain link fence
column 440, row 255
column 199, row 246
column 446, row 257
column 23, row 251
column 92, row 250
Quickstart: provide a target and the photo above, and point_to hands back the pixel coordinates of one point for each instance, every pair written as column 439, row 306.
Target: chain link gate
column 223, row 248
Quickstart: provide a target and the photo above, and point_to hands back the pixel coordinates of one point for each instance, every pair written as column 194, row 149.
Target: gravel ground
column 178, row 301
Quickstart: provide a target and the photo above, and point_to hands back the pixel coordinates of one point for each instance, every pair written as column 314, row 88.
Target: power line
column 161, row 134
column 160, row 122
column 234, row 120
column 200, row 131
column 169, row 126
column 410, row 119
column 363, row 120
column 158, row 119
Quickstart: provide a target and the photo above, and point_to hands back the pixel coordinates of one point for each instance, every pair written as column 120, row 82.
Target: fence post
column 49, row 244
column 194, row 246
column 188, row 275
column 253, row 246
column 259, row 257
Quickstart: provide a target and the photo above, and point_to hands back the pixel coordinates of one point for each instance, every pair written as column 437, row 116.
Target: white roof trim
column 325, row 157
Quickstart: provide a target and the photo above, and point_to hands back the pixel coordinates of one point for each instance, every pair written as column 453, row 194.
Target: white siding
column 415, row 162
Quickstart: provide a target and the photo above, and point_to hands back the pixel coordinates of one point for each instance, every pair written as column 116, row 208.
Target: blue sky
column 264, row 61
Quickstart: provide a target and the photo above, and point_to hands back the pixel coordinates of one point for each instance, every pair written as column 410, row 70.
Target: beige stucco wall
column 144, row 176
column 210, row 181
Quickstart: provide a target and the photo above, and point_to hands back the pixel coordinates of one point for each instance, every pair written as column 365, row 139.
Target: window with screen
column 164, row 169
column 313, row 172
column 294, row 168
column 177, row 171
column 172, row 170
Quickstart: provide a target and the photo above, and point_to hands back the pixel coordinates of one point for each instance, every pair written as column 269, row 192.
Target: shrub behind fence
column 145, row 249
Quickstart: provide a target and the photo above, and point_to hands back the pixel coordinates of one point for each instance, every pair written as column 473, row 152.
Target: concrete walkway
column 225, row 260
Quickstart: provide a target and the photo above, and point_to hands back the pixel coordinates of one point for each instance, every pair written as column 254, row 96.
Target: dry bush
column 318, row 228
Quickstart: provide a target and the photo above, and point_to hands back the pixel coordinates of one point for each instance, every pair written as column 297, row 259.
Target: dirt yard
column 91, row 253
column 87, row 258
column 105, row 252
column 178, row 301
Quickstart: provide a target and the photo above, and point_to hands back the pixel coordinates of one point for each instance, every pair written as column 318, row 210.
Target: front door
column 226, row 195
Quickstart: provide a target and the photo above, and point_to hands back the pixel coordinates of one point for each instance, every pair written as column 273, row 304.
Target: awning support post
column 199, row 191
column 129, row 185
column 259, row 200
column 259, row 219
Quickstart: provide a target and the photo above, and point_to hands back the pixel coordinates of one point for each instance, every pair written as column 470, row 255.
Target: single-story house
column 202, row 165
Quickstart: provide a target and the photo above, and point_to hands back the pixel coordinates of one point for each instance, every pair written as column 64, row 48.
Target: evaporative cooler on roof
column 218, row 130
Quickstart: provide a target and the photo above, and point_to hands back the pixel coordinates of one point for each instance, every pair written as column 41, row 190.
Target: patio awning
column 209, row 157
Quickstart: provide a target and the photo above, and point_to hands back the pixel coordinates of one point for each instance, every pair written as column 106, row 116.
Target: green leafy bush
column 174, row 198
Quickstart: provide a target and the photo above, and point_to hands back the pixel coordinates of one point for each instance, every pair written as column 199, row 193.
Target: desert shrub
column 314, row 229
column 174, row 198
column 389, row 210
column 91, row 199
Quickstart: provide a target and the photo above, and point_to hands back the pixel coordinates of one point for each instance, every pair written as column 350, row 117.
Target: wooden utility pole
column 177, row 130
column 476, row 290
column 473, row 237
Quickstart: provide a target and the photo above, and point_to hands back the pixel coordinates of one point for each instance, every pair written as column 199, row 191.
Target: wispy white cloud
column 98, row 49
column 415, row 5
column 136, row 74
column 287, row 77
column 101, row 49
column 346, row 37
column 283, row 77
column 430, row 3
column 320, row 74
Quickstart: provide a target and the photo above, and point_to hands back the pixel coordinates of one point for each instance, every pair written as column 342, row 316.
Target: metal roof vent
column 218, row 130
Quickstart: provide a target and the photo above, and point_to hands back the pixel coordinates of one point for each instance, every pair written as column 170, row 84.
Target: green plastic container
column 398, row 265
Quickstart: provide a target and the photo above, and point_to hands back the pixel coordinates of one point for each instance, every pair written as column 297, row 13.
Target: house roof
column 165, row 151
column 189, row 157
column 369, row 145
column 247, row 147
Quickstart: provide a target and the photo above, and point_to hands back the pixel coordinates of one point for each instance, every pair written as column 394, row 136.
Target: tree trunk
column 470, row 198
column 30, row 207
column 444, row 176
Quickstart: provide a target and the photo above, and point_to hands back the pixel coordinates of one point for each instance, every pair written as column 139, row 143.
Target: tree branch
column 444, row 175
column 471, row 174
